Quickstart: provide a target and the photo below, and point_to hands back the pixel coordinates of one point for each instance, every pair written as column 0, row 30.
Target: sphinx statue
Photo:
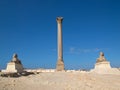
column 101, row 58
column 15, row 59
column 14, row 65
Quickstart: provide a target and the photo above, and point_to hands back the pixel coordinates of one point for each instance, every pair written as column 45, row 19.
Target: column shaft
column 60, row 48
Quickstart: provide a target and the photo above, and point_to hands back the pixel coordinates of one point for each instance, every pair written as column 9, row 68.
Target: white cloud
column 74, row 50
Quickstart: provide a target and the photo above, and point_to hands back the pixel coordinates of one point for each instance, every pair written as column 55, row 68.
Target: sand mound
column 62, row 81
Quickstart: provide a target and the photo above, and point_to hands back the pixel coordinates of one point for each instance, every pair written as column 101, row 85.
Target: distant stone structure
column 102, row 62
column 14, row 65
column 102, row 66
column 60, row 62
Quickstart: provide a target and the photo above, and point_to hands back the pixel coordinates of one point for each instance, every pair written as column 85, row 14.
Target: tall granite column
column 60, row 63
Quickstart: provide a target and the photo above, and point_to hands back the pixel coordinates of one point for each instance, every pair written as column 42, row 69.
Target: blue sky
column 29, row 28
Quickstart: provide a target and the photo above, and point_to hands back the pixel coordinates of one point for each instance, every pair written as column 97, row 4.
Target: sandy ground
column 62, row 81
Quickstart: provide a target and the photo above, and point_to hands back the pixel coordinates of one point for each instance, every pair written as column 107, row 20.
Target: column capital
column 59, row 19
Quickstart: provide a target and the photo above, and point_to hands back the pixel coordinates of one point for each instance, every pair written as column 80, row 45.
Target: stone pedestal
column 14, row 65
column 103, row 65
column 60, row 65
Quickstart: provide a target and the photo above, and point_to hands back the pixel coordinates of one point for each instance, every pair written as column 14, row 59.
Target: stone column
column 60, row 63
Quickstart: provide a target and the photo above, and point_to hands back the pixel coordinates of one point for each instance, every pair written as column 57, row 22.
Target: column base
column 60, row 65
